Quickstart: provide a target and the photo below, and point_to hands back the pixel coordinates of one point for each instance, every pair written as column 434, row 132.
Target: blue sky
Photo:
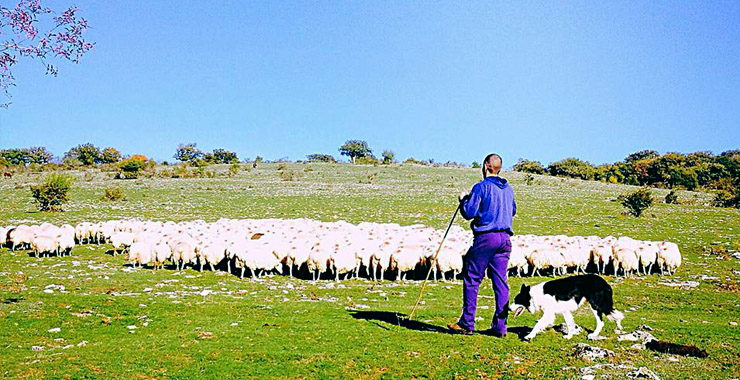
column 443, row 80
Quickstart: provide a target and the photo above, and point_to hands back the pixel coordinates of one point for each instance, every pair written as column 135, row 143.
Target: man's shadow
column 400, row 319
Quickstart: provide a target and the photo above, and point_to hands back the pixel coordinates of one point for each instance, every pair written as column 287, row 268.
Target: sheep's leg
column 200, row 269
column 210, row 266
column 228, row 265
column 241, row 275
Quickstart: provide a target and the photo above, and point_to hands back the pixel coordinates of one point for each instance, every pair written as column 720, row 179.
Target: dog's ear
column 524, row 288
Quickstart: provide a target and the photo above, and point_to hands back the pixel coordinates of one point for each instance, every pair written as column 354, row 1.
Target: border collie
column 564, row 296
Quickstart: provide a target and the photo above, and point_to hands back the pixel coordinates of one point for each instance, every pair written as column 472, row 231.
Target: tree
column 87, row 154
column 318, row 157
column 64, row 40
column 389, row 157
column 572, row 167
column 354, row 149
column 527, row 166
column 223, row 156
column 188, row 153
column 39, row 155
column 14, row 156
column 110, row 155
column 642, row 155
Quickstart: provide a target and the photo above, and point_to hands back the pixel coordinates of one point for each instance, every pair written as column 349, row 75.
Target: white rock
column 131, row 327
column 55, row 330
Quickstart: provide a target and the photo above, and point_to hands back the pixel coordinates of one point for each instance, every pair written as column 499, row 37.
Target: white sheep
column 626, row 259
column 669, row 257
column 140, row 253
column 41, row 244
column 121, row 241
column 21, row 237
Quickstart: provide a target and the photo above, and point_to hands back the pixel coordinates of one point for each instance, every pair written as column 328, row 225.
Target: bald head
column 492, row 164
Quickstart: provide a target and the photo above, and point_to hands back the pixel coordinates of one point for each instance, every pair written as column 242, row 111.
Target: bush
column 527, row 166
column 369, row 160
column 414, row 161
column 234, row 169
column 671, row 198
column 281, row 166
column 288, row 175
column 637, row 201
column 53, row 192
column 475, row 165
column 572, row 167
column 529, row 179
column 726, row 198
column 132, row 166
column 317, row 157
column 112, row 194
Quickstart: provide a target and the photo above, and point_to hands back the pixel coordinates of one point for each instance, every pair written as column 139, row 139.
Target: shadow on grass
column 399, row 319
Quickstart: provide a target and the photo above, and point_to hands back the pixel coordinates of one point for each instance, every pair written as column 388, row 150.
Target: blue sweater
column 490, row 205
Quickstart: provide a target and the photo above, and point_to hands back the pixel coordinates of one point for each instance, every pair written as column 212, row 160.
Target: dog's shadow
column 401, row 320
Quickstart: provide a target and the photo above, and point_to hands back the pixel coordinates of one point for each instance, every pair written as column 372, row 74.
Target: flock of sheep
column 310, row 248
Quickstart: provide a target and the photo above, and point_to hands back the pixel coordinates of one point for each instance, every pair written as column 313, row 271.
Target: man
column 491, row 207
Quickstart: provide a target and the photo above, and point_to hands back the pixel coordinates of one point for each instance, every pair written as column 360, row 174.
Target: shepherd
column 491, row 207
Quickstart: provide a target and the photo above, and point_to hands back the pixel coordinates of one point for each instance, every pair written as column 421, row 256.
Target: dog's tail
column 615, row 315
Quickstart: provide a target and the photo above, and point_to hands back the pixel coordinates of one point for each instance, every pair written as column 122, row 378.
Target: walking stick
column 434, row 261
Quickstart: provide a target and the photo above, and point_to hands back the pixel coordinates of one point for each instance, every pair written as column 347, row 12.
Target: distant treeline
column 691, row 171
column 85, row 155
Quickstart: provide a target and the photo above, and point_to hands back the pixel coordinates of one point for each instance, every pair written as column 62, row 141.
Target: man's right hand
column 462, row 195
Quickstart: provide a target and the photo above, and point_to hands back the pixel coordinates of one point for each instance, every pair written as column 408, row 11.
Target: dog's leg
column 571, row 325
column 599, row 325
column 546, row 320
column 616, row 316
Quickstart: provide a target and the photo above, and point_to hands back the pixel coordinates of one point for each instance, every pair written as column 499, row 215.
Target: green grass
column 287, row 328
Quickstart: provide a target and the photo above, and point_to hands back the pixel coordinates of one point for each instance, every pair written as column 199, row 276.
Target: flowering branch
column 65, row 40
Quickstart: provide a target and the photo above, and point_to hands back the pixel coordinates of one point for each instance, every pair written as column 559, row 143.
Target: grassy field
column 194, row 325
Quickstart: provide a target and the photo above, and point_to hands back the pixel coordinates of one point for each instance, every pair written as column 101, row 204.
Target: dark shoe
column 492, row 332
column 458, row 330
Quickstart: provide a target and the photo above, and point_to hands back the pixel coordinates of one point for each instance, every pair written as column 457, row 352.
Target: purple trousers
column 489, row 250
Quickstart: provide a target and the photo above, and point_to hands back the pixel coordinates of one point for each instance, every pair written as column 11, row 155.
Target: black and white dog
column 564, row 296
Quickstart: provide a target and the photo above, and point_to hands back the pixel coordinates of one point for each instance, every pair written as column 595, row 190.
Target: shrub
column 529, row 179
column 112, row 194
column 475, row 165
column 234, row 169
column 572, row 167
column 414, row 161
column 53, row 192
column 317, row 157
column 281, row 166
column 726, row 198
column 671, row 198
column 637, row 201
column 131, row 167
column 288, row 175
column 369, row 160
column 527, row 166
column 369, row 179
